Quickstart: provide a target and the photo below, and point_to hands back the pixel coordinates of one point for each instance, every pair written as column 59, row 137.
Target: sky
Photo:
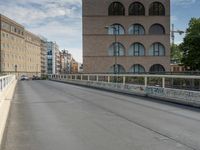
column 61, row 20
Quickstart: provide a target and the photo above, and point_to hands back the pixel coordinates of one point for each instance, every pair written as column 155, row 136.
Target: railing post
column 88, row 77
column 124, row 80
column 75, row 77
column 145, row 81
column 108, row 78
column 81, row 77
column 163, row 82
column 97, row 78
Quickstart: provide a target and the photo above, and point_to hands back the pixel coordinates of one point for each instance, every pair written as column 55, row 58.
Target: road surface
column 47, row 115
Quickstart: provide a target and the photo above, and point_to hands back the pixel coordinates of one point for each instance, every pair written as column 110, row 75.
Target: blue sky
column 181, row 13
column 60, row 20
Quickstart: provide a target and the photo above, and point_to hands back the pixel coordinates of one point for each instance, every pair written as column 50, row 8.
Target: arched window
column 136, row 49
column 117, row 69
column 137, row 9
column 116, row 49
column 157, row 49
column 116, row 9
column 137, row 68
column 116, row 29
column 136, row 29
column 157, row 9
column 157, row 68
column 157, row 29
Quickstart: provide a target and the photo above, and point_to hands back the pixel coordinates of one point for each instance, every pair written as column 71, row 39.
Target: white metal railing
column 5, row 81
column 181, row 88
column 164, row 81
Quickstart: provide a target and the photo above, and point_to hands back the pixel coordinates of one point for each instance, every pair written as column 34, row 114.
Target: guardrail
column 5, row 81
column 177, row 88
column 7, row 86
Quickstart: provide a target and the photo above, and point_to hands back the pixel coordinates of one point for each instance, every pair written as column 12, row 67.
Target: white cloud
column 174, row 18
column 67, row 36
column 34, row 11
column 57, row 20
column 183, row 2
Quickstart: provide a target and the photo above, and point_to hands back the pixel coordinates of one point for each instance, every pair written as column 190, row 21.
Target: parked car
column 24, row 77
column 36, row 78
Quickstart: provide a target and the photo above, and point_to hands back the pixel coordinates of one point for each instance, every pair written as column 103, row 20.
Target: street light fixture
column 115, row 47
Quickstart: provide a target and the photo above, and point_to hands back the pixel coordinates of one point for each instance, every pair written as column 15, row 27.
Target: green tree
column 191, row 45
column 176, row 54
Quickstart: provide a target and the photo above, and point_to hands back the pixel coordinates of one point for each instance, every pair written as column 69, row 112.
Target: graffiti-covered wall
column 167, row 94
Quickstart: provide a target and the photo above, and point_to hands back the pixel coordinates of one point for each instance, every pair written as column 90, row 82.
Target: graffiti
column 192, row 97
column 183, row 94
column 157, row 91
column 134, row 88
column 119, row 86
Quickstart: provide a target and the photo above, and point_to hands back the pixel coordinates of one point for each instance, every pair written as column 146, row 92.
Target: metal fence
column 183, row 82
column 184, row 89
column 5, row 81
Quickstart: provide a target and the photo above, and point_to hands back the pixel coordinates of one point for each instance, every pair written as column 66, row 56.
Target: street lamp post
column 16, row 70
column 37, row 69
column 115, row 47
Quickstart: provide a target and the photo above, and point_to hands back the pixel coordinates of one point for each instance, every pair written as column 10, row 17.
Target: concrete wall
column 6, row 95
column 181, row 96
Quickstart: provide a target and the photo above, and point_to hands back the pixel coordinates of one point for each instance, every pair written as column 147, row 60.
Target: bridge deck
column 47, row 115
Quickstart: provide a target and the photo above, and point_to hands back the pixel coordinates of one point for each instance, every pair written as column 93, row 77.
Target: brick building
column 126, row 36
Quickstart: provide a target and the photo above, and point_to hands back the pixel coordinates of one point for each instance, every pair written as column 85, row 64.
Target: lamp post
column 37, row 69
column 115, row 47
column 16, row 70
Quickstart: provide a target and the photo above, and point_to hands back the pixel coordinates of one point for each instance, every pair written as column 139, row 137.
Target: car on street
column 36, row 78
column 24, row 77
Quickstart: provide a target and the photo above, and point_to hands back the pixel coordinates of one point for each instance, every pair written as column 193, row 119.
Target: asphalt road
column 47, row 115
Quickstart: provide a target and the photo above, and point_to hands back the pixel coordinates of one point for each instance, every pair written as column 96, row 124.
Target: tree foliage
column 176, row 54
column 191, row 45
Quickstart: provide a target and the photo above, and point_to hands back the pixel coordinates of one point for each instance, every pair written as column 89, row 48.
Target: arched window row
column 136, row 68
column 136, row 9
column 136, row 49
column 116, row 49
column 136, row 29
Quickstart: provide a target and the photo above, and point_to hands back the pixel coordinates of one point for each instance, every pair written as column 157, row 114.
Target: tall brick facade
column 141, row 29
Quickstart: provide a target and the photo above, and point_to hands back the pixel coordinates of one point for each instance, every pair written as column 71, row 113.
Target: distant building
column 178, row 68
column 126, row 36
column 80, row 68
column 68, row 64
column 43, row 48
column 20, row 50
column 53, row 58
column 65, row 59
column 74, row 67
